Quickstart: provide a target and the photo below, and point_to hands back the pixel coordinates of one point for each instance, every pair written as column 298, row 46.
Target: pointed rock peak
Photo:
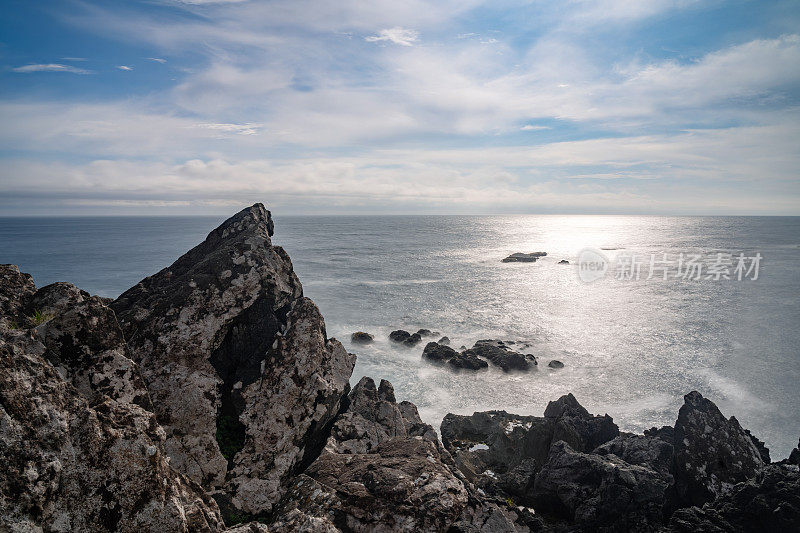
column 565, row 404
column 386, row 391
column 364, row 384
column 254, row 219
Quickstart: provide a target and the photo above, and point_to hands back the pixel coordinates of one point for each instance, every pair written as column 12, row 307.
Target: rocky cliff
column 209, row 396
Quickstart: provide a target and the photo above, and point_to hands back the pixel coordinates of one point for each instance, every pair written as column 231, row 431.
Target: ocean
column 631, row 346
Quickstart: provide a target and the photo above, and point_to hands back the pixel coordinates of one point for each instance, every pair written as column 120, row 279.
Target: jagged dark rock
column 361, row 337
column 16, row 290
column 499, row 355
column 236, row 361
column 502, row 452
column 563, row 262
column 520, row 257
column 444, row 340
column 712, row 453
column 555, row 364
column 640, row 450
column 597, row 492
column 794, row 457
column 768, row 502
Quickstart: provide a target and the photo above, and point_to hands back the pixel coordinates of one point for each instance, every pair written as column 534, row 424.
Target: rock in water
column 500, row 355
column 712, row 453
column 399, row 335
column 80, row 452
column 524, row 258
column 361, row 337
column 241, row 373
column 440, row 353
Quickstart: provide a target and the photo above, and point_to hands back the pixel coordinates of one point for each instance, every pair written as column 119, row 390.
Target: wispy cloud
column 124, row 67
column 157, row 60
column 51, row 67
column 396, row 35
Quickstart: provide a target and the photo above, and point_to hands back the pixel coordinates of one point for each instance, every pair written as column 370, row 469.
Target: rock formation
column 80, row 450
column 520, row 257
column 209, row 396
column 242, row 375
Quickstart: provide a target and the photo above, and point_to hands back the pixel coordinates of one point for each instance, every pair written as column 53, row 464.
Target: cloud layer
column 417, row 107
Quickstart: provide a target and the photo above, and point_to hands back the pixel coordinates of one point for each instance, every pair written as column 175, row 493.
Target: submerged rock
column 360, row 337
column 524, row 258
column 563, row 262
column 555, row 364
column 236, row 361
column 444, row 340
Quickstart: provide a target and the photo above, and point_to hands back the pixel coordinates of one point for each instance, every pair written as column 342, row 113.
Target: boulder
column 555, row 364
column 598, row 492
column 444, row 340
column 412, row 340
column 520, row 257
column 425, row 332
column 399, row 335
column 360, row 337
column 467, row 361
column 241, row 373
column 563, row 262
column 499, row 355
column 439, row 353
column 712, row 453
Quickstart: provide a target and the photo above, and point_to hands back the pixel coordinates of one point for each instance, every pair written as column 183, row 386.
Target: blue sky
column 607, row 106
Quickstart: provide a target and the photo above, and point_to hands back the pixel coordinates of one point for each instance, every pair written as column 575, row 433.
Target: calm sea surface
column 632, row 348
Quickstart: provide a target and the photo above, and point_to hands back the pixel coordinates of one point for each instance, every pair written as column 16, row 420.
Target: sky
column 400, row 107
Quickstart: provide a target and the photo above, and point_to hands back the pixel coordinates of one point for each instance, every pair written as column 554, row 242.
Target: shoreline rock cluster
column 209, row 398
